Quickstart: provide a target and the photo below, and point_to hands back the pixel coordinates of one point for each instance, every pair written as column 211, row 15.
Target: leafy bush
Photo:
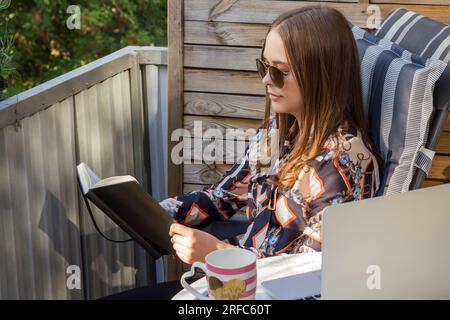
column 45, row 47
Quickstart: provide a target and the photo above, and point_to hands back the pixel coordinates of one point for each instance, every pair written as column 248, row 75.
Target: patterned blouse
column 283, row 221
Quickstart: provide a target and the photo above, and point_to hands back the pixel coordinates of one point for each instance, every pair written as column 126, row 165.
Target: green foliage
column 7, row 69
column 6, row 56
column 45, row 47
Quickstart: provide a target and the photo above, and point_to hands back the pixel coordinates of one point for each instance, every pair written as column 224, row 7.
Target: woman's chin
column 278, row 108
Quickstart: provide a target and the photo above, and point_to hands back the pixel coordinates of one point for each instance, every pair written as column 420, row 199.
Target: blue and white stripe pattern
column 425, row 37
column 398, row 100
column 416, row 33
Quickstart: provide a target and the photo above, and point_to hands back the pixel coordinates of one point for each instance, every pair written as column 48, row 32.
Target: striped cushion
column 398, row 101
column 416, row 33
column 422, row 36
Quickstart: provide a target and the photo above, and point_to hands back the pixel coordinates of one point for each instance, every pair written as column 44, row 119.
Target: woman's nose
column 267, row 80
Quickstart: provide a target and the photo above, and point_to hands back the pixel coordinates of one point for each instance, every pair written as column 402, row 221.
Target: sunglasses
column 276, row 74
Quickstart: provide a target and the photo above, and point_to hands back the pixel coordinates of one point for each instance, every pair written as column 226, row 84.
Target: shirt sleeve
column 221, row 200
column 279, row 238
column 299, row 212
column 218, row 201
column 336, row 181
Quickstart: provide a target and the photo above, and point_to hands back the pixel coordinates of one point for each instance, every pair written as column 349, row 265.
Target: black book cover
column 124, row 200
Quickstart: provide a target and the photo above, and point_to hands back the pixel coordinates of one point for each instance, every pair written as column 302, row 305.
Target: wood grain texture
column 443, row 146
column 225, row 126
column 224, row 33
column 204, row 174
column 431, row 183
column 263, row 11
column 428, row 2
column 223, row 81
column 188, row 187
column 440, row 168
column 175, row 19
column 225, row 105
column 213, row 151
column 221, row 57
column 175, row 89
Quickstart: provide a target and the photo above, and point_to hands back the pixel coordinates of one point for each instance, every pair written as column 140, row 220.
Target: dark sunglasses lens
column 261, row 68
column 276, row 76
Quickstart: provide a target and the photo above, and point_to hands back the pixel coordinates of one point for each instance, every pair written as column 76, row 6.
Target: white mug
column 230, row 275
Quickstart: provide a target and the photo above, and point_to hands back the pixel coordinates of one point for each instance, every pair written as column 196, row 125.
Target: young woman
column 311, row 70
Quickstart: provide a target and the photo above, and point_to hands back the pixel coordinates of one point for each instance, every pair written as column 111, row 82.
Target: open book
column 124, row 200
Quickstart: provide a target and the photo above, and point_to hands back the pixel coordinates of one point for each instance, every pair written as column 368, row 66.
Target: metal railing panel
column 90, row 114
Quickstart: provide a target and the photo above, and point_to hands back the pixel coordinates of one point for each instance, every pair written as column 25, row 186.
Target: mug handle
column 191, row 273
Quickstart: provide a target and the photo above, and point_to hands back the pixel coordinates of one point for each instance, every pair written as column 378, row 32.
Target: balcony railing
column 108, row 114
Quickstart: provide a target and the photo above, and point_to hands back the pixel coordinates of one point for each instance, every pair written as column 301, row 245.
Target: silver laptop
column 390, row 247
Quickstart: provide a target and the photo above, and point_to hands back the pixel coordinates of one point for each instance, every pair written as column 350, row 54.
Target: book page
column 113, row 180
column 87, row 177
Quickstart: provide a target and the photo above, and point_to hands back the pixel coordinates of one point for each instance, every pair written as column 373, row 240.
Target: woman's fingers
column 184, row 258
column 177, row 228
column 184, row 253
column 182, row 249
column 184, row 241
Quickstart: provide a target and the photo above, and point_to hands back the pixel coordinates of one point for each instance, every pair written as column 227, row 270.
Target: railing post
column 175, row 14
column 137, row 118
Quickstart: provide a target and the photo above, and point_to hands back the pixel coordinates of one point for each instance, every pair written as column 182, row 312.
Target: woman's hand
column 192, row 244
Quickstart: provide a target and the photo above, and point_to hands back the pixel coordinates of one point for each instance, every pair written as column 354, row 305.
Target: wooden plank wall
column 221, row 87
column 220, row 40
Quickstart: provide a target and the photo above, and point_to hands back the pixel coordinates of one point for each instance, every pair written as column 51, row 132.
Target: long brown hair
column 324, row 59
